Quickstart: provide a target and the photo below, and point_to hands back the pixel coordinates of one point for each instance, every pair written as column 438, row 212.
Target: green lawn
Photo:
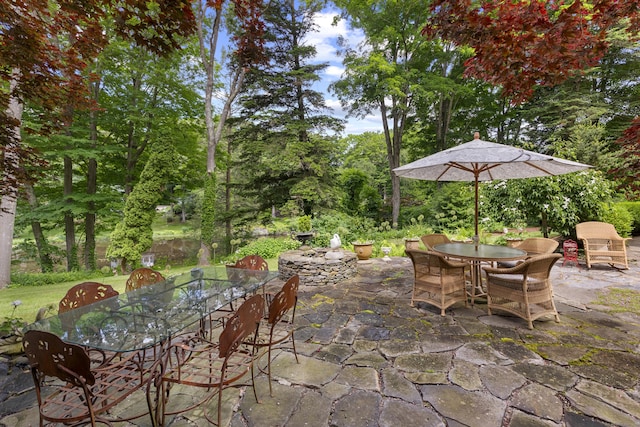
column 33, row 298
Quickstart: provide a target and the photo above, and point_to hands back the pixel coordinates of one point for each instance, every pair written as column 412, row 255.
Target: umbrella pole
column 476, row 238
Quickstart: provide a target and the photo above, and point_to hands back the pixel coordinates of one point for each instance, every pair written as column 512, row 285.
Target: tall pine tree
column 287, row 134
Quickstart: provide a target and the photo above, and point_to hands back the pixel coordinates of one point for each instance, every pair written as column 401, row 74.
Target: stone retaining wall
column 319, row 266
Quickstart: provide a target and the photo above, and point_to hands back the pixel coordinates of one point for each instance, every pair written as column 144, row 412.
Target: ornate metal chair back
column 142, row 277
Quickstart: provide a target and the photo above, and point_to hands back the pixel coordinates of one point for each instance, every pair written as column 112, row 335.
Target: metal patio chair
column 83, row 394
column 142, row 277
column 211, row 366
column 81, row 295
column 279, row 327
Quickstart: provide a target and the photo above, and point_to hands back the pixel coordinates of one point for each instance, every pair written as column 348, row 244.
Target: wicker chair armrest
column 623, row 239
column 518, row 269
column 455, row 264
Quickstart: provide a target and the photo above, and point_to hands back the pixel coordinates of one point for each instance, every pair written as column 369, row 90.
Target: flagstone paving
column 369, row 359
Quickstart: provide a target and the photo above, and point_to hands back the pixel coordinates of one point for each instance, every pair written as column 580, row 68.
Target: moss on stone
column 318, row 300
column 620, row 300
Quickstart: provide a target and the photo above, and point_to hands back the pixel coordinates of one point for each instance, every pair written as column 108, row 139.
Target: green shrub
column 267, row 247
column 348, row 227
column 417, row 227
column 620, row 217
column 634, row 210
column 304, row 223
column 281, row 226
column 451, row 207
column 40, row 279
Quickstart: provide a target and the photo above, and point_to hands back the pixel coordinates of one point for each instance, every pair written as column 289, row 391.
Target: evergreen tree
column 286, row 133
column 134, row 235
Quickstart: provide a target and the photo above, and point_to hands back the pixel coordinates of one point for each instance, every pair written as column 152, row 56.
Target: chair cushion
column 514, row 281
column 509, row 264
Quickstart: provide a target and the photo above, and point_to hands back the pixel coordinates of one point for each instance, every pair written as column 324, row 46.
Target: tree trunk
column 214, row 129
column 46, row 263
column 393, row 140
column 89, row 251
column 8, row 203
column 69, row 226
column 544, row 225
column 227, row 198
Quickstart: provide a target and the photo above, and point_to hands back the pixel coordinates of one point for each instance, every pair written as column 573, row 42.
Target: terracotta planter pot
column 412, row 244
column 363, row 250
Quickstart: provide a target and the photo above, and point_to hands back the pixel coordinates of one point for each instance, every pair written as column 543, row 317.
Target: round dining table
column 476, row 255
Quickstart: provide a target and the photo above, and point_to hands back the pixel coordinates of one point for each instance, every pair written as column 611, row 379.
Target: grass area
column 33, row 298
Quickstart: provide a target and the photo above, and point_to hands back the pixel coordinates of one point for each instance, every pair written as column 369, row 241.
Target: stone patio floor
column 367, row 358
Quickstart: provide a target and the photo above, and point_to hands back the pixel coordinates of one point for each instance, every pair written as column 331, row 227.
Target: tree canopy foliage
column 545, row 42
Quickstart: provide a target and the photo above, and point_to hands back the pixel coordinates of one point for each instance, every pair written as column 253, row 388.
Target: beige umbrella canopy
column 480, row 160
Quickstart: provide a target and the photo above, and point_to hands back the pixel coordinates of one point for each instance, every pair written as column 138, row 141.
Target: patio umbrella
column 480, row 160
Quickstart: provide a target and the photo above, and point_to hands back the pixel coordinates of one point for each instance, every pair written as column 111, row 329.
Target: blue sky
column 325, row 41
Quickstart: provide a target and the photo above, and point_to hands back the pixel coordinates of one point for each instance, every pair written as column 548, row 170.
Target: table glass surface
column 480, row 252
column 144, row 317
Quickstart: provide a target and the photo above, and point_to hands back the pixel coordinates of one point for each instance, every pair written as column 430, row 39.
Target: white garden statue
column 335, row 242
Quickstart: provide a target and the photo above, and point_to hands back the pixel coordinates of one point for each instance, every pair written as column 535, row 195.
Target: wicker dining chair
column 213, row 366
column 85, row 393
column 524, row 290
column 430, row 240
column 532, row 246
column 538, row 245
column 437, row 281
column 142, row 277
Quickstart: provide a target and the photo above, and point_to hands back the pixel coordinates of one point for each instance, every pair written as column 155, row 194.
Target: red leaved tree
column 523, row 44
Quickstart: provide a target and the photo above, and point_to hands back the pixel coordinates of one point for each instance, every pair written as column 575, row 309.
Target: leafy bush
column 348, row 227
column 281, row 226
column 304, row 223
column 267, row 247
column 452, row 207
column 620, row 217
column 40, row 279
column 417, row 227
column 561, row 201
column 634, row 210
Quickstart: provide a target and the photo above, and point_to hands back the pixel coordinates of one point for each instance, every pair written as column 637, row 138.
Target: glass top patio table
column 475, row 255
column 150, row 315
column 480, row 252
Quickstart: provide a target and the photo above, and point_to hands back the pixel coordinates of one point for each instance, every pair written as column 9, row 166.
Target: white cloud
column 325, row 40
column 333, row 71
column 354, row 125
